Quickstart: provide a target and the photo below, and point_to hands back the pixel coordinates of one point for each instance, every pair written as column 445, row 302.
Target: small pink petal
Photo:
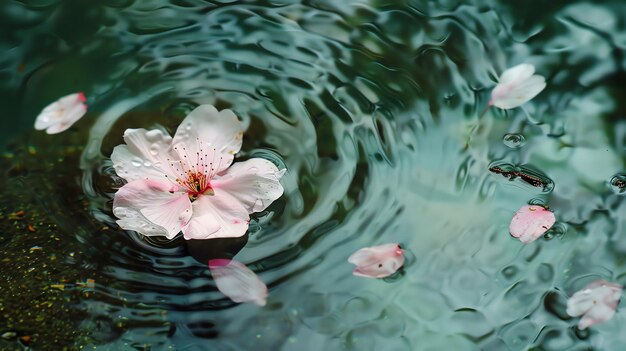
column 377, row 261
column 238, row 282
column 61, row 114
column 597, row 303
column 531, row 222
column 516, row 86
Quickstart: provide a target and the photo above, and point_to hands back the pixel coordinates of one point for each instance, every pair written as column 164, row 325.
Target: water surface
column 373, row 107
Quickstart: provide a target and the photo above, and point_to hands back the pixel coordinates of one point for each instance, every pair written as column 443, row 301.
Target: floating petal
column 516, row 86
column 531, row 222
column 61, row 114
column 596, row 303
column 377, row 261
column 238, row 282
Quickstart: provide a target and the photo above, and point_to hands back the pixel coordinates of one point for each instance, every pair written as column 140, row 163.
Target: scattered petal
column 516, row 86
column 61, row 114
column 377, row 261
column 238, row 282
column 597, row 303
column 531, row 222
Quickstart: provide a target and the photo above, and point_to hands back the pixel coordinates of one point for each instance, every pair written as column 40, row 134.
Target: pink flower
column 61, row 114
column 530, row 223
column 516, row 86
column 185, row 183
column 238, row 282
column 597, row 303
column 377, row 261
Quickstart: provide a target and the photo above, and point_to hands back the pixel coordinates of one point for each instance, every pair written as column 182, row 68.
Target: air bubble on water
column 556, row 231
column 514, row 140
column 617, row 183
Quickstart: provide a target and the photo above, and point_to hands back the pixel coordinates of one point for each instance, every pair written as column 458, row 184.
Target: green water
column 372, row 106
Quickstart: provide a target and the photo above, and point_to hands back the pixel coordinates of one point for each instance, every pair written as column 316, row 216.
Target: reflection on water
column 372, row 106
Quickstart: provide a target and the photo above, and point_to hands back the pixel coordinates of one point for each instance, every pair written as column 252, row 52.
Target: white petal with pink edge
column 517, row 85
column 207, row 132
column 132, row 219
column 377, row 261
column 61, row 114
column 146, row 155
column 530, row 222
column 217, row 216
column 159, row 202
column 597, row 303
column 238, row 282
column 255, row 183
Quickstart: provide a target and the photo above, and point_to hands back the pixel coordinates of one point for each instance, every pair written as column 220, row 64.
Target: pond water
column 375, row 107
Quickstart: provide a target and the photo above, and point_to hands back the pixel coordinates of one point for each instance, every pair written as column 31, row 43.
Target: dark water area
column 374, row 107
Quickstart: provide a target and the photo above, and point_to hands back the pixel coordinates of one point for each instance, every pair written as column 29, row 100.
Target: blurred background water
column 373, row 107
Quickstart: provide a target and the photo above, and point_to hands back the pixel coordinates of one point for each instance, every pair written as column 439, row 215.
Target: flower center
column 196, row 183
column 195, row 175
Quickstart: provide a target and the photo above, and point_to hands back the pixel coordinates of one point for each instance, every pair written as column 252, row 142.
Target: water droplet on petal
column 154, row 149
column 617, row 183
column 147, row 164
column 136, row 163
column 514, row 140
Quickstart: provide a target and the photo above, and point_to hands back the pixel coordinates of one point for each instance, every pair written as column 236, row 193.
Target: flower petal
column 238, row 282
column 255, row 183
column 210, row 133
column 132, row 219
column 530, row 223
column 377, row 261
column 508, row 97
column 517, row 73
column 217, row 216
column 597, row 303
column 159, row 202
column 61, row 114
column 516, row 86
column 599, row 314
column 145, row 155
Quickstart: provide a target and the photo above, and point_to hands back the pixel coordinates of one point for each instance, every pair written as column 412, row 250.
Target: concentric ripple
column 373, row 107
